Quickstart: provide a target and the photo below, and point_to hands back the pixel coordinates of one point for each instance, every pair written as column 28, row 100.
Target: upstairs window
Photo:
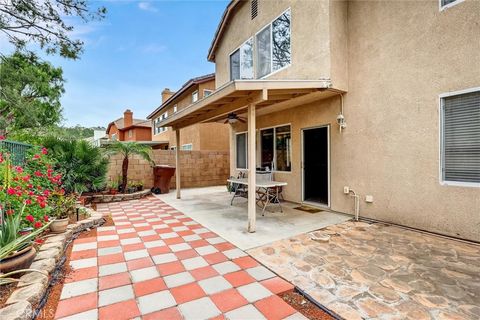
column 241, row 61
column 195, row 96
column 156, row 124
column 264, row 52
column 175, row 108
column 187, row 147
column 444, row 4
column 207, row 92
column 460, row 147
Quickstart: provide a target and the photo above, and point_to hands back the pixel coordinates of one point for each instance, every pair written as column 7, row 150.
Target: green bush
column 83, row 166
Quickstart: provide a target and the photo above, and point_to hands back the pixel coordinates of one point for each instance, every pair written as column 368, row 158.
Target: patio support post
column 177, row 162
column 251, row 168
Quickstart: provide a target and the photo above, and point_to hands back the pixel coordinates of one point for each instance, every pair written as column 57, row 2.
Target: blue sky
column 140, row 48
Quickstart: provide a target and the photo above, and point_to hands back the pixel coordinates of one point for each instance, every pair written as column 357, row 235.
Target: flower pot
column 19, row 260
column 59, row 225
column 113, row 191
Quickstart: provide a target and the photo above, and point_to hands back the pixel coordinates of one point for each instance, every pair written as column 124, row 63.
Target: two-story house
column 207, row 136
column 374, row 101
column 129, row 129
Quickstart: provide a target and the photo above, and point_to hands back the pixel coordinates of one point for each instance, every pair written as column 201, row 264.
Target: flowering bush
column 29, row 187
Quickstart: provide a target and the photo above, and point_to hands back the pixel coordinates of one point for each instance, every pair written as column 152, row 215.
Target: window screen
column 264, row 52
column 461, row 138
column 235, row 65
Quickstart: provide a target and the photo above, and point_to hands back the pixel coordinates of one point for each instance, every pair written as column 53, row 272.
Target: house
column 207, row 136
column 360, row 106
column 129, row 129
column 98, row 139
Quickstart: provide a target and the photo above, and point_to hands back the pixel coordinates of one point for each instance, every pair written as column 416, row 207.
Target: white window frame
column 246, row 150
column 157, row 131
column 183, row 147
column 444, row 7
column 175, row 108
column 130, row 133
column 441, row 100
column 255, row 56
column 274, row 146
column 193, row 95
column 240, row 57
column 205, row 91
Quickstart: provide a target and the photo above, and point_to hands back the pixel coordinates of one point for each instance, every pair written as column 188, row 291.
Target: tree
column 46, row 23
column 30, row 91
column 126, row 149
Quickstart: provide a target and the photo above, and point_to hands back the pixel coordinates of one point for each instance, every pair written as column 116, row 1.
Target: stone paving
column 378, row 271
column 156, row 263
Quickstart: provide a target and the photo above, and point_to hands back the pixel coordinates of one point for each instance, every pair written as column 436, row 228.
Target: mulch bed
column 304, row 306
column 55, row 290
column 5, row 292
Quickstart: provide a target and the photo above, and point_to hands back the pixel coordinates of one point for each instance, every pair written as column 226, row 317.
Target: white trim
column 198, row 97
column 302, row 146
column 240, row 59
column 447, row 6
column 441, row 157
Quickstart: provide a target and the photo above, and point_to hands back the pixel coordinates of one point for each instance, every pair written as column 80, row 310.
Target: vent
column 254, row 8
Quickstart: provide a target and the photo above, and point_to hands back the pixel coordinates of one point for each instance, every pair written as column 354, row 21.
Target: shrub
column 83, row 166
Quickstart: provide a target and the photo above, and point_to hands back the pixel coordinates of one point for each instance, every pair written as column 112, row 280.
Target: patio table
column 269, row 197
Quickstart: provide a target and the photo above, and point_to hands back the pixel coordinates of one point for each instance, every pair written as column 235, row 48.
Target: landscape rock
column 47, row 265
column 33, row 277
column 18, row 311
column 32, row 293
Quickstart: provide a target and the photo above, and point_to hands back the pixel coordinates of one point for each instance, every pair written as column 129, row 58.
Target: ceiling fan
column 233, row 117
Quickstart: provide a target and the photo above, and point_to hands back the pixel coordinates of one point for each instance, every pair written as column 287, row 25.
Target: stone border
column 104, row 198
column 33, row 285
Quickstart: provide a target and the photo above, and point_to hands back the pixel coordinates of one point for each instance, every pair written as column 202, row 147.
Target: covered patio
column 210, row 206
column 251, row 98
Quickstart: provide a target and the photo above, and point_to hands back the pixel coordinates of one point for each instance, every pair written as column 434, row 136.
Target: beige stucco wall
column 315, row 50
column 401, row 56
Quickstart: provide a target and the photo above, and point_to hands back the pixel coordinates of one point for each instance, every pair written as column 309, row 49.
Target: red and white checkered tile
column 157, row 263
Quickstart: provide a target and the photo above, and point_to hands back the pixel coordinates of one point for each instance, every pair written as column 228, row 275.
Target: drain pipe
column 353, row 194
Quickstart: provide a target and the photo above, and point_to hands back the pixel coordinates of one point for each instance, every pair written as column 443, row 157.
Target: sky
column 139, row 49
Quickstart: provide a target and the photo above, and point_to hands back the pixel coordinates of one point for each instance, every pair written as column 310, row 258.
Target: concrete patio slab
column 380, row 271
column 211, row 207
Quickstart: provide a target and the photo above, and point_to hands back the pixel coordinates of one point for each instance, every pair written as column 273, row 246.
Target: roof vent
column 254, row 8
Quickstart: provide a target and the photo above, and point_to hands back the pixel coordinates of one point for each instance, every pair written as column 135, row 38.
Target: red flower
column 42, row 205
column 2, row 137
column 46, row 193
column 28, row 201
column 37, row 156
column 44, row 150
column 10, row 212
column 37, row 225
column 11, row 191
column 31, row 193
column 38, row 173
column 26, row 178
column 45, row 218
column 19, row 169
column 30, row 218
column 62, row 191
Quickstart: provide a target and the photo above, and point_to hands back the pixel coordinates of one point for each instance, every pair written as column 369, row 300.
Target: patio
column 210, row 206
column 380, row 271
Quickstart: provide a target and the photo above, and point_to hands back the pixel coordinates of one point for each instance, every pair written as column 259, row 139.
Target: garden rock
column 33, row 277
column 32, row 293
column 18, row 311
column 58, row 238
column 46, row 265
column 53, row 252
column 48, row 246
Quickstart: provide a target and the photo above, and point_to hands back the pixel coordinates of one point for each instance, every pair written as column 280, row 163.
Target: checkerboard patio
column 157, row 263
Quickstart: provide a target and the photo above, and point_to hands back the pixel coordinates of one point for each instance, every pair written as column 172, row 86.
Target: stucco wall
column 401, row 56
column 315, row 50
column 198, row 168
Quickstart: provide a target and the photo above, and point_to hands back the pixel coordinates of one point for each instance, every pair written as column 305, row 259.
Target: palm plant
column 127, row 149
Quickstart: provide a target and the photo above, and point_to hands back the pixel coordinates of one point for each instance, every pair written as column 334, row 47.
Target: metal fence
column 18, row 150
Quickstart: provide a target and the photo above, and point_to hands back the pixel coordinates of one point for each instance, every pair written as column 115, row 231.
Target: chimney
column 127, row 118
column 166, row 93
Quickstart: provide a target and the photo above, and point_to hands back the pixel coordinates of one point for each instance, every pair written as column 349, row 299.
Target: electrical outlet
column 369, row 198
column 346, row 190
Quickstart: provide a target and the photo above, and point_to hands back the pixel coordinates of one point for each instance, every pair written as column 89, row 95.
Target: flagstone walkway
column 156, row 263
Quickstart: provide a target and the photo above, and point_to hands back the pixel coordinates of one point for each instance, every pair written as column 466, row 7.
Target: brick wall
column 198, row 168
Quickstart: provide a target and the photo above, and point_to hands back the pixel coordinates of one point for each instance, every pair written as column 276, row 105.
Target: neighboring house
column 379, row 97
column 207, row 136
column 98, row 139
column 129, row 129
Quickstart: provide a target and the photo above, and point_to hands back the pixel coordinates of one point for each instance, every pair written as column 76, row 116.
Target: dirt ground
column 304, row 306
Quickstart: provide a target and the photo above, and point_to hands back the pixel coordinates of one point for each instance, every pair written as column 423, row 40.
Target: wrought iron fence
column 18, row 150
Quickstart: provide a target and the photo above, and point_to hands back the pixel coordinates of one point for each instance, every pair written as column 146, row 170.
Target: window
column 188, row 147
column 444, row 4
column 194, row 96
column 173, row 148
column 114, row 137
column 460, row 145
column 207, row 92
column 156, row 124
column 273, row 50
column 175, row 108
column 241, row 61
column 241, row 150
column 276, row 148
column 130, row 133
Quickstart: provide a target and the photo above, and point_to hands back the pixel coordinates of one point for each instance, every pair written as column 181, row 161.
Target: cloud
column 147, row 6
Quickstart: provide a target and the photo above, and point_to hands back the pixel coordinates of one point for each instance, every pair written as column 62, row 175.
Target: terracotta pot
column 59, row 225
column 113, row 191
column 19, row 260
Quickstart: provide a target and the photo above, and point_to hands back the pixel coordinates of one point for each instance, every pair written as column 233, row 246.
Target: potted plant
column 113, row 187
column 140, row 186
column 131, row 187
column 62, row 207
